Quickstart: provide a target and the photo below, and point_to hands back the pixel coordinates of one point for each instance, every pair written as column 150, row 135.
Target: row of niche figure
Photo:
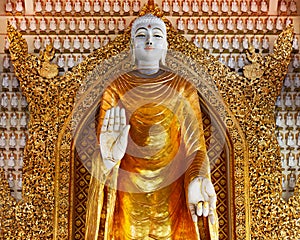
column 288, row 120
column 289, row 181
column 13, row 139
column 291, row 82
column 218, row 7
column 288, row 101
column 13, row 101
column 13, row 120
column 231, row 24
column 73, row 44
column 87, row 6
column 14, row 179
column 290, row 159
column 69, row 25
column 11, row 160
column 9, row 83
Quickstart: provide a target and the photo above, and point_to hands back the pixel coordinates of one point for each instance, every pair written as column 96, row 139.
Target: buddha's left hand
column 202, row 198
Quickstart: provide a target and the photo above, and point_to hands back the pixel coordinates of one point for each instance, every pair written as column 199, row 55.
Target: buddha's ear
column 164, row 54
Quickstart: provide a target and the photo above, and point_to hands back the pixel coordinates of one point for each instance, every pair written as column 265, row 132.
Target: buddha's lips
column 148, row 48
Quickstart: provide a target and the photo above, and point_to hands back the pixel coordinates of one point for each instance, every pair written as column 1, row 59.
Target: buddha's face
column 149, row 43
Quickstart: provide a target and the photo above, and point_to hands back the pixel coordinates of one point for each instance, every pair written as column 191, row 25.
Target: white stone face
column 149, row 43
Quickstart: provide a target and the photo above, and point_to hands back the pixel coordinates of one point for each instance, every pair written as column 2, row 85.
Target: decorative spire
column 151, row 8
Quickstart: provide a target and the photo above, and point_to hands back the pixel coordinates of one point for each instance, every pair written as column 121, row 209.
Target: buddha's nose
column 149, row 41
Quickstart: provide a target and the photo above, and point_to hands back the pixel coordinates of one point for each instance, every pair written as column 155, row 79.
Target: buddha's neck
column 147, row 68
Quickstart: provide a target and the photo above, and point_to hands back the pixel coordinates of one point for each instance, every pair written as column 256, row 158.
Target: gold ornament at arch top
column 46, row 210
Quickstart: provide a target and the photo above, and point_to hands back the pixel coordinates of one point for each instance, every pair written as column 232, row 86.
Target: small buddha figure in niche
column 14, row 101
column 96, row 6
column 244, row 6
column 6, row 63
column 23, row 121
column 121, row 24
column 72, row 25
column 58, row 6
column 230, row 25
column 62, row 24
column 288, row 21
column 206, row 43
column 263, row 6
column 2, row 163
column 96, row 42
column 253, row 6
column 111, row 25
column 102, row 24
column 196, row 41
column 15, row 84
column 67, row 43
column 270, row 24
column 8, row 6
column 57, row 43
column 292, row 180
column 61, row 62
column 68, row 6
column 204, row 6
column 79, row 59
column 298, row 120
column 37, row 43
column 70, row 62
column 20, row 162
column 12, row 141
column 11, row 181
column 255, row 42
column 295, row 43
column 23, row 24
column 222, row 59
column 106, row 40
column 13, row 22
column 132, row 205
column 215, row 6
column 13, row 121
column 240, row 26
column 185, row 6
column 76, row 44
column 283, row 6
column 87, row 6
column 295, row 62
column 116, row 6
column 3, row 121
column 249, row 24
column 180, row 24
column 288, row 101
column 293, row 7
column 52, row 25
column 234, row 7
column 136, row 6
column 231, row 62
column 106, row 6
column 19, row 182
column 216, row 43
column 6, row 44
column 48, row 6
column 19, row 6
column 195, row 6
column 287, row 82
column 86, row 43
column 82, row 25
column 245, row 42
column 91, row 25
column 43, row 24
column 235, row 43
column 126, row 7
column 2, row 140
column 279, row 121
column 297, row 101
column 259, row 25
column 211, row 24
column 224, row 6
column 37, row 6
column 190, row 24
column 5, row 81
column 297, row 81
column 24, row 103
column 200, row 24
column 220, row 24
column 289, row 120
column 32, row 24
column 166, row 6
column 175, row 7
column 77, row 6
column 225, row 43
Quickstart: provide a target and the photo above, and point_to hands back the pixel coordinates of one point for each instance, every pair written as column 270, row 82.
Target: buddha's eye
column 140, row 35
column 158, row 35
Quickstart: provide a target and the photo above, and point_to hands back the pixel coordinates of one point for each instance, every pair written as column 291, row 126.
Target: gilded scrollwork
column 46, row 211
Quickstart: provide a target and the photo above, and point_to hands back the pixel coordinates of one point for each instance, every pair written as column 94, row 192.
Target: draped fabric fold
column 144, row 196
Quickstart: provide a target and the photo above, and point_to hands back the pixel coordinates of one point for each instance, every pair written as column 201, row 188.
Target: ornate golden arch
column 46, row 209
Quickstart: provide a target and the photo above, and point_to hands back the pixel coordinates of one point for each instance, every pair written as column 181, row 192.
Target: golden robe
column 145, row 195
